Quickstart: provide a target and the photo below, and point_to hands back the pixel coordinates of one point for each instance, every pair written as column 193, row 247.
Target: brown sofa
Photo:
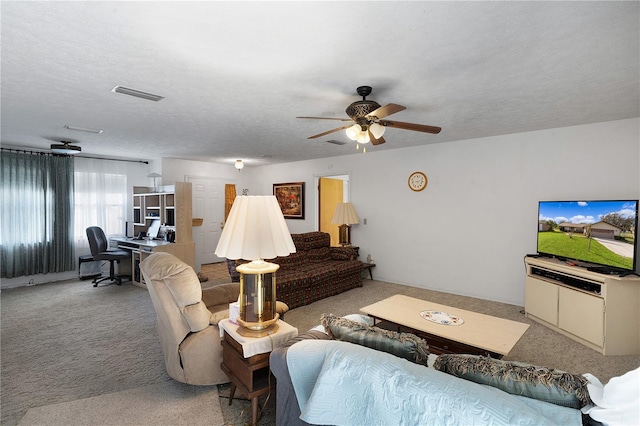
column 315, row 271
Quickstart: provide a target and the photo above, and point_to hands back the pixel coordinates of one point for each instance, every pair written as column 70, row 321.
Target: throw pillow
column 319, row 255
column 554, row 386
column 341, row 253
column 403, row 345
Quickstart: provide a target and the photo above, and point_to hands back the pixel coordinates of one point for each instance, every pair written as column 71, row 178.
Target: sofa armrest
column 219, row 296
column 287, row 408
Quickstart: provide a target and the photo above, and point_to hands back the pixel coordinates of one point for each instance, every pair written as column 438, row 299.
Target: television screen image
column 596, row 232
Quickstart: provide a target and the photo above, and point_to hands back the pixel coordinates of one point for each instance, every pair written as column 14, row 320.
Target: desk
column 140, row 249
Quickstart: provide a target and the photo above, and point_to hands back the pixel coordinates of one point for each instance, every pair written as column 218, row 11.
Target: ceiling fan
column 65, row 148
column 367, row 116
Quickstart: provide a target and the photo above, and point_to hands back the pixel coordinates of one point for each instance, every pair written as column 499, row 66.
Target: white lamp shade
column 345, row 214
column 255, row 229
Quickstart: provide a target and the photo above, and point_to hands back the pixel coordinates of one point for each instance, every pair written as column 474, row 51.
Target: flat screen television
column 601, row 233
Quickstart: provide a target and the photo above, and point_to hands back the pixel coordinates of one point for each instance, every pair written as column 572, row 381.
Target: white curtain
column 100, row 197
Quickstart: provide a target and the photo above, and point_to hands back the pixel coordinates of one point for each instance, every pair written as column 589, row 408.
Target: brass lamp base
column 258, row 329
column 344, row 235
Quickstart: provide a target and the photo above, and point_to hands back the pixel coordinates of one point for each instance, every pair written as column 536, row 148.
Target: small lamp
column 154, row 176
column 345, row 215
column 239, row 165
column 256, row 230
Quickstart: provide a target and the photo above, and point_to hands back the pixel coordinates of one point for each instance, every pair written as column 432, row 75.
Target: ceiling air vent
column 335, row 142
column 137, row 93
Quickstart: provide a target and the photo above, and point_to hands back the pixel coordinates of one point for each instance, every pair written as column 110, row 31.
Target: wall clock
column 417, row 181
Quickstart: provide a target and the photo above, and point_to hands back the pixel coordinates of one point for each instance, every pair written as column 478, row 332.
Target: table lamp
column 345, row 215
column 256, row 230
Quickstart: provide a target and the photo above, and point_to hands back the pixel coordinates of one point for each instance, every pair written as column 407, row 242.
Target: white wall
column 468, row 231
column 174, row 170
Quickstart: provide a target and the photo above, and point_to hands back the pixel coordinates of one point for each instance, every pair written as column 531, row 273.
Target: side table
column 245, row 360
column 369, row 266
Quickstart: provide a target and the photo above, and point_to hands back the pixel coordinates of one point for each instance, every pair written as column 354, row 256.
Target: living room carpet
column 167, row 403
column 69, row 342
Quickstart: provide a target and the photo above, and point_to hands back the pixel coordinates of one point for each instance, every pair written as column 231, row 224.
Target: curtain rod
column 79, row 156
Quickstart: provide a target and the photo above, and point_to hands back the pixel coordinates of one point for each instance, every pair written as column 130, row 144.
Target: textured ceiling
column 236, row 74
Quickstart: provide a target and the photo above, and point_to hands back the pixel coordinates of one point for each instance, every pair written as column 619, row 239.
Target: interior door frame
column 334, row 175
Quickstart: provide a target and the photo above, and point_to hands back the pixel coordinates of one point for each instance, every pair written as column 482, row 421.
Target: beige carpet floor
column 167, row 403
column 68, row 343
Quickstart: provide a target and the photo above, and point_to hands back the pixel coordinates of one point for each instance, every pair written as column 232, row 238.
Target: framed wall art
column 290, row 197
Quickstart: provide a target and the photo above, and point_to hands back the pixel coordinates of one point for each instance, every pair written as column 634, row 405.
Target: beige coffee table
column 479, row 334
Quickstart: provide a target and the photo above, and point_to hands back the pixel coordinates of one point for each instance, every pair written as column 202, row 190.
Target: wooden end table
column 250, row 374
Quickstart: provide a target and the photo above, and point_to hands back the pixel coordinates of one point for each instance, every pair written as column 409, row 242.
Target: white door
column 208, row 203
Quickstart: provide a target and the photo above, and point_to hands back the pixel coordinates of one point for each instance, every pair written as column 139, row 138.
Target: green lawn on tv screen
column 580, row 247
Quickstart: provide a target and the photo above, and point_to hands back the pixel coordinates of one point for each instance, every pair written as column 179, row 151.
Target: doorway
column 208, row 204
column 332, row 190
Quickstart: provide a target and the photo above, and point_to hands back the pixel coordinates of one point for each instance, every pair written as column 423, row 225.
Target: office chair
column 100, row 250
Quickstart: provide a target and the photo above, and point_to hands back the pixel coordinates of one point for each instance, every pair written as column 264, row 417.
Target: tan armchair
column 187, row 318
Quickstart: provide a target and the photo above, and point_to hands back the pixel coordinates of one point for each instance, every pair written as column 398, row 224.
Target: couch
column 187, row 318
column 358, row 374
column 315, row 271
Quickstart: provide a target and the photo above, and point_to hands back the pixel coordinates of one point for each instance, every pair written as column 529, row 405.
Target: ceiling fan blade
column 329, row 131
column 411, row 126
column 328, row 118
column 386, row 110
column 373, row 139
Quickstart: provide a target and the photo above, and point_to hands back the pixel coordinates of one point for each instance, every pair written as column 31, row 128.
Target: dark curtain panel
column 37, row 214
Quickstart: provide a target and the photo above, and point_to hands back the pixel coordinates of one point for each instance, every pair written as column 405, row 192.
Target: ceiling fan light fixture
column 363, row 137
column 377, row 130
column 352, row 132
column 64, row 149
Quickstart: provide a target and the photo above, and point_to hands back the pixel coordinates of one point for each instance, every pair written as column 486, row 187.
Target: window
column 100, row 197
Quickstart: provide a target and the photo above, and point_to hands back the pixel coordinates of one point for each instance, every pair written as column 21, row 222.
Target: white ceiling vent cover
column 137, row 93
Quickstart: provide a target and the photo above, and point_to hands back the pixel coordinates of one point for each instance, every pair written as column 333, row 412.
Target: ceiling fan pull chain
column 357, row 147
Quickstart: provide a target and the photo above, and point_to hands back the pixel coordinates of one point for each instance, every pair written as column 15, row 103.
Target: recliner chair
column 187, row 318
column 100, row 250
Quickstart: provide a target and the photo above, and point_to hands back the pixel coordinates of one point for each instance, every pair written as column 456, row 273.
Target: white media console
column 598, row 310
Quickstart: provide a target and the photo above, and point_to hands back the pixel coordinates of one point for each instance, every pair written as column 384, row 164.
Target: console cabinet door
column 582, row 315
column 541, row 300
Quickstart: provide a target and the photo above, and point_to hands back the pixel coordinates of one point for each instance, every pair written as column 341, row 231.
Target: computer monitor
column 154, row 228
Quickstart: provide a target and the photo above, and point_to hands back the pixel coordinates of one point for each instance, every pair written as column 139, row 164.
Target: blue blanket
column 341, row 383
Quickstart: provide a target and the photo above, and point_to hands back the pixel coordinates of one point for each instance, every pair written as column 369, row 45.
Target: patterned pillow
column 554, row 386
column 319, row 255
column 403, row 345
column 341, row 253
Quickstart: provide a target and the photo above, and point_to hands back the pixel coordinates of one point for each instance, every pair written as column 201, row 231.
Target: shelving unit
column 600, row 311
column 174, row 209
